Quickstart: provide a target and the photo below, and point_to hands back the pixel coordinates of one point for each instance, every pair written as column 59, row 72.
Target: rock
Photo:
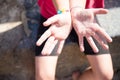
column 16, row 49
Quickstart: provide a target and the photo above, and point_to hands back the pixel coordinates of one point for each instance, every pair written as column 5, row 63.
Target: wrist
column 76, row 7
column 75, row 10
column 63, row 11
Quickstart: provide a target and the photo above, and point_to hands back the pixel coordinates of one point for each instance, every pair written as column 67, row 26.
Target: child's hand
column 57, row 32
column 85, row 26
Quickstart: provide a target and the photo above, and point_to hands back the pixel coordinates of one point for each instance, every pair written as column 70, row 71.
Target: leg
column 101, row 63
column 101, row 68
column 45, row 67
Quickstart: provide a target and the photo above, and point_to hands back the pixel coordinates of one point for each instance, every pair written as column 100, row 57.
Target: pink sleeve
column 47, row 8
column 95, row 4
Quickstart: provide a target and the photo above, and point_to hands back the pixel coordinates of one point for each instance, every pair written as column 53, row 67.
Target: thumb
column 100, row 11
column 51, row 20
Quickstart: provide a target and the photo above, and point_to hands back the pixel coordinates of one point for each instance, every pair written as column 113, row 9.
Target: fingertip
column 96, row 50
column 59, row 51
column 43, row 53
column 111, row 40
column 82, row 49
column 100, row 11
column 45, row 24
column 105, row 11
column 50, row 20
column 106, row 47
column 37, row 44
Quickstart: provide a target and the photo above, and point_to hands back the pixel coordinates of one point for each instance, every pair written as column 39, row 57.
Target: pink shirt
column 47, row 8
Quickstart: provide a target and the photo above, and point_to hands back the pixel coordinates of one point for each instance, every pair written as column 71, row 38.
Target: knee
column 45, row 76
column 106, row 75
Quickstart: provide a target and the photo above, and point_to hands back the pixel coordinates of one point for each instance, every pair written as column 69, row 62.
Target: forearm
column 76, row 6
column 75, row 3
column 61, row 4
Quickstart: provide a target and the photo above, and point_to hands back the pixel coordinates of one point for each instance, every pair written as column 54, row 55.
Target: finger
column 76, row 26
column 100, row 41
column 80, row 35
column 92, row 44
column 51, row 20
column 43, row 37
column 47, row 46
column 51, row 48
column 102, row 33
column 100, row 11
column 60, row 46
column 81, row 44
